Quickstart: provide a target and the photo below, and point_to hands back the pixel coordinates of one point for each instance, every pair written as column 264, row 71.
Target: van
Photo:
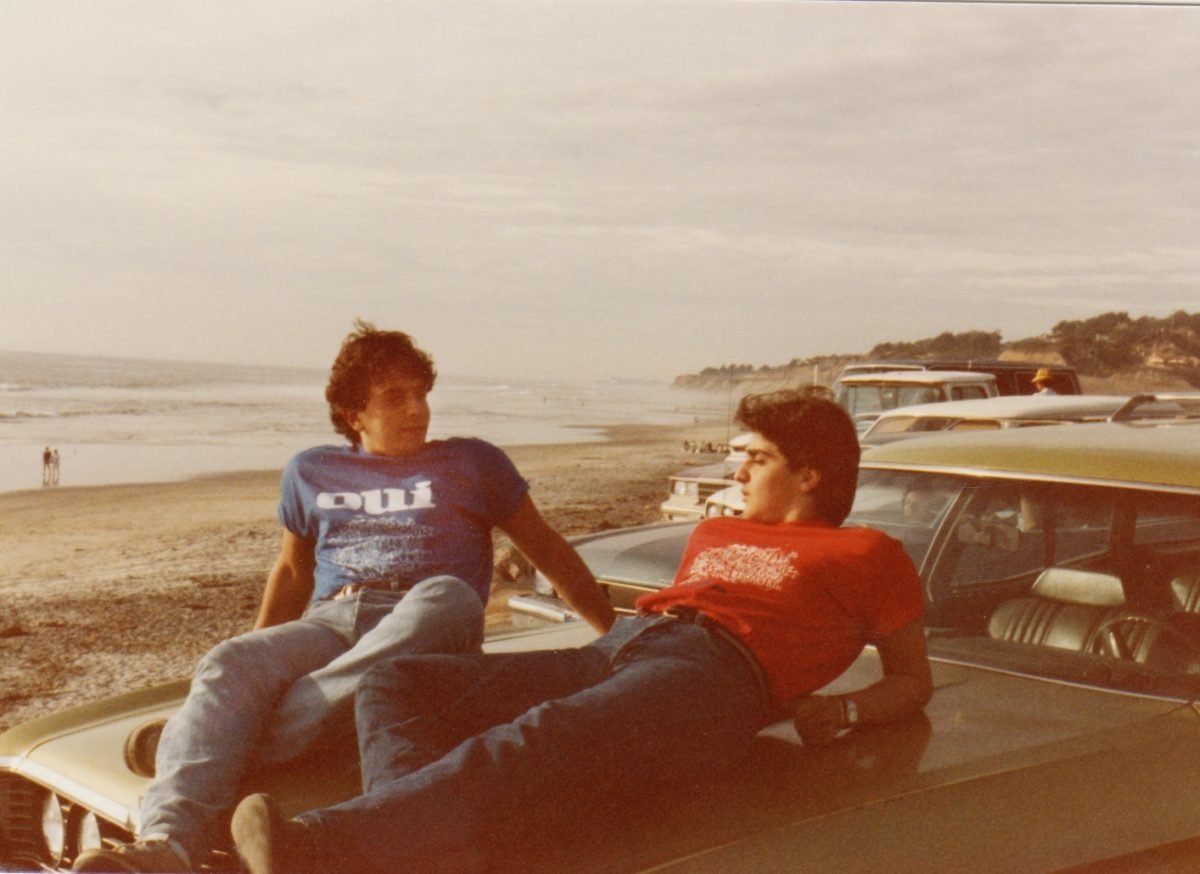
column 865, row 395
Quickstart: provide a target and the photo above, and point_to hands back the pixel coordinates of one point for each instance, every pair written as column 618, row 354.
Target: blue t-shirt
column 407, row 518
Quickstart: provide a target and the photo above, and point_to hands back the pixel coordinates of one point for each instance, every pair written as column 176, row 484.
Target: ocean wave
column 446, row 386
column 17, row 415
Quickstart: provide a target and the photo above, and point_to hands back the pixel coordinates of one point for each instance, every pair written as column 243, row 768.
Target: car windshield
column 858, row 399
column 1086, row 583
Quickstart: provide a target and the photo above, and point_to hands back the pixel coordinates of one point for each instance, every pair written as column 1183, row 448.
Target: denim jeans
column 263, row 697
column 450, row 743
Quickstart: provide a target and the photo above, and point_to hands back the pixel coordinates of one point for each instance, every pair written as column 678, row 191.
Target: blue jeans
column 449, row 743
column 263, row 697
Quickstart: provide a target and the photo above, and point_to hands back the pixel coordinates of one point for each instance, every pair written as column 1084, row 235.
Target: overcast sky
column 587, row 188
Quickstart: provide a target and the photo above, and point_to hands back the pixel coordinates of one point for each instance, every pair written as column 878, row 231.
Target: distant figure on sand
column 47, row 466
column 54, row 467
column 386, row 550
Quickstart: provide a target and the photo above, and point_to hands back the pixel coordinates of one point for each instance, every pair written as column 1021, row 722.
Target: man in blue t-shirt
column 386, row 550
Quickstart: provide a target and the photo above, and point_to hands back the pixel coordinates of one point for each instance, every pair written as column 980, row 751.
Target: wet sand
column 105, row 589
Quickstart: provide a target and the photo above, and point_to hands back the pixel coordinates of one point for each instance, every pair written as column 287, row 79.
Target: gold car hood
column 1000, row 770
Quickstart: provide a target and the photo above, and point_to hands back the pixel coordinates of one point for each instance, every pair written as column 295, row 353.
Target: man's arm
column 554, row 557
column 906, row 687
column 290, row 583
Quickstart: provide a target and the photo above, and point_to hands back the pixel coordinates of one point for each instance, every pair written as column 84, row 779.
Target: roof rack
column 1160, row 407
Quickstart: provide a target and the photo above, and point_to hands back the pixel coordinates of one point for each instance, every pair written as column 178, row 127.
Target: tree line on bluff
column 1099, row 346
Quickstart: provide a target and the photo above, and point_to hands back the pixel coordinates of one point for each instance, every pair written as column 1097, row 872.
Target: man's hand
column 561, row 564
column 905, row 688
column 818, row 719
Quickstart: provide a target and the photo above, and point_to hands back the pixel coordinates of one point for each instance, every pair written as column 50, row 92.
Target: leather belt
column 376, row 585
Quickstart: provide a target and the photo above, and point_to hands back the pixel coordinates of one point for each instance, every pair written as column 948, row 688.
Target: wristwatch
column 849, row 713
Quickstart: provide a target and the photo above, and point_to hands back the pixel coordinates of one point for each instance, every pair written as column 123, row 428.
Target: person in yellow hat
column 1042, row 382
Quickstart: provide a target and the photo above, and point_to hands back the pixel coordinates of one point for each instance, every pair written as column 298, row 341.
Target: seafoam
column 117, row 420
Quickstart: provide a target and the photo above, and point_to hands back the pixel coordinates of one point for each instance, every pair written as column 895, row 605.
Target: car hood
column 997, row 774
column 1001, row 773
column 79, row 752
column 644, row 556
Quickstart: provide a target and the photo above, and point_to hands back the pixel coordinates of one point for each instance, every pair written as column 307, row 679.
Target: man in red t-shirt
column 764, row 611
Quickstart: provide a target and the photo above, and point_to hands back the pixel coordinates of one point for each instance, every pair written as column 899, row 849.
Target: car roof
column 1165, row 456
column 953, row 363
column 920, row 376
column 1015, row 407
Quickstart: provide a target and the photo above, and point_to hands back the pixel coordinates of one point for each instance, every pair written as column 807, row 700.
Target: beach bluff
column 1113, row 353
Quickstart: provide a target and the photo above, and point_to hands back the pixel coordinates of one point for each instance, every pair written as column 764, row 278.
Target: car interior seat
column 1187, row 592
column 1064, row 609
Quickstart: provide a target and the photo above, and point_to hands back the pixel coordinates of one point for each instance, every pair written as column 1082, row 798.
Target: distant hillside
column 1111, row 352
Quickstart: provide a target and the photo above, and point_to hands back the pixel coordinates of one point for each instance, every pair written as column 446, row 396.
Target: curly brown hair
column 366, row 352
column 811, row 430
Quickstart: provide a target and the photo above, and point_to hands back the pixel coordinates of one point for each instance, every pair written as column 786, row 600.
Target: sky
column 588, row 189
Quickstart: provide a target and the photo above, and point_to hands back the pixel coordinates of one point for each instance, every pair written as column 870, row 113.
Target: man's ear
column 809, row 479
column 350, row 417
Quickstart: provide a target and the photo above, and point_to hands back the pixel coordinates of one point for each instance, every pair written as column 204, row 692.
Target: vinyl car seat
column 1187, row 592
column 1064, row 609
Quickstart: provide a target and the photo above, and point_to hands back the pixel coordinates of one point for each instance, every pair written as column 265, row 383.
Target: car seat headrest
column 1072, row 586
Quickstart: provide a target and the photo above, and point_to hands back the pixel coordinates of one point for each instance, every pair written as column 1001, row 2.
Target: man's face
column 395, row 420
column 774, row 492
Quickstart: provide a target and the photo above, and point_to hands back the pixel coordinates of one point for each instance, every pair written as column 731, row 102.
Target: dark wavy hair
column 811, row 430
column 366, row 352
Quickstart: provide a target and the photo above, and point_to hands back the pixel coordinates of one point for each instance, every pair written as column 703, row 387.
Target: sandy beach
column 110, row 588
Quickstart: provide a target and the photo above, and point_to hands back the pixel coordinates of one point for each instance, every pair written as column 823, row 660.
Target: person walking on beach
column 47, row 461
column 386, row 549
column 765, row 609
column 54, row 467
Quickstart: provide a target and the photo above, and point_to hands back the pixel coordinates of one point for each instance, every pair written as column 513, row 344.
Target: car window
column 908, row 506
column 976, row 425
column 1012, row 530
column 998, row 535
column 933, row 423
column 967, row 392
column 858, row 399
column 861, row 399
column 1168, row 519
column 910, row 395
column 894, row 425
column 1086, row 583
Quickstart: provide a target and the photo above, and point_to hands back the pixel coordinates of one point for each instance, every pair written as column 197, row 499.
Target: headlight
column 85, row 830
column 54, row 829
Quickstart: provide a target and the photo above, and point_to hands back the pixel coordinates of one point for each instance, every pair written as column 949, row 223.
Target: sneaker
column 154, row 855
column 267, row 842
column 141, row 747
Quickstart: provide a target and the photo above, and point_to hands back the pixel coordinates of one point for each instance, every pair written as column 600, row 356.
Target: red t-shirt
column 804, row 597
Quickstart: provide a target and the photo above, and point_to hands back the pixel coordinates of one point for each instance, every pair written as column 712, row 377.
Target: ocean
column 117, row 420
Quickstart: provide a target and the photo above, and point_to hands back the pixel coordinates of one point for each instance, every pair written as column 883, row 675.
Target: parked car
column 1061, row 570
column 689, row 488
column 866, row 395
column 1012, row 377
column 1013, row 411
column 995, row 414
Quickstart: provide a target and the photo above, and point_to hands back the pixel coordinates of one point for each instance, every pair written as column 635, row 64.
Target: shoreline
column 108, row 588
